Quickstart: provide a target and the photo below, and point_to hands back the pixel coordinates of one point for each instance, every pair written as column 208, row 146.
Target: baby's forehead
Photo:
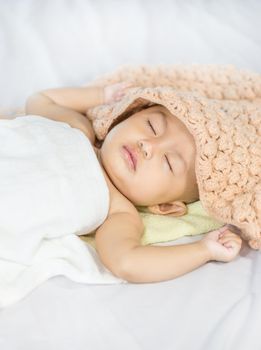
column 158, row 107
column 173, row 123
column 164, row 111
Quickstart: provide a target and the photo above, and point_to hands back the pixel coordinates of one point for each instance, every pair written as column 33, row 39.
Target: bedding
column 57, row 43
column 51, row 190
column 160, row 228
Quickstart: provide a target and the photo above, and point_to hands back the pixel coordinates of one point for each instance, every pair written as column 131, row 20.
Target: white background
column 49, row 43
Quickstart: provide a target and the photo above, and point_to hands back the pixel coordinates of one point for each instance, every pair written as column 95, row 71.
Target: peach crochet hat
column 221, row 107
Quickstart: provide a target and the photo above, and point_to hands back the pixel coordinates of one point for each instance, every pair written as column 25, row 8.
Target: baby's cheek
column 140, row 194
column 180, row 169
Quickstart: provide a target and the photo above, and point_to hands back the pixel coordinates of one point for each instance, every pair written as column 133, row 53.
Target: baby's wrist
column 101, row 95
column 205, row 250
column 94, row 96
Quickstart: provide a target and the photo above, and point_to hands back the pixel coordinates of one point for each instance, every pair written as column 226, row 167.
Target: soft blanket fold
column 221, row 107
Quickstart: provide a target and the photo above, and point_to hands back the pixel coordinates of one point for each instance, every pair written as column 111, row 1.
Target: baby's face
column 150, row 157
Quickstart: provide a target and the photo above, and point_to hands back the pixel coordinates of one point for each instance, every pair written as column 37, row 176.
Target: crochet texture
column 221, row 107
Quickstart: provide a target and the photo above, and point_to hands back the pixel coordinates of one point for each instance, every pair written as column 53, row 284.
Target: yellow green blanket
column 159, row 228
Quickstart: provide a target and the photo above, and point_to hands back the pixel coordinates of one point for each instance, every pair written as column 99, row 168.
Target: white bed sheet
column 53, row 43
column 215, row 307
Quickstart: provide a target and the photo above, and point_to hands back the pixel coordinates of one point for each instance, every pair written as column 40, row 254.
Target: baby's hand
column 223, row 245
column 115, row 92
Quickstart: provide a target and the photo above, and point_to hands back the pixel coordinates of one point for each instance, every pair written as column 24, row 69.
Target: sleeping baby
column 148, row 157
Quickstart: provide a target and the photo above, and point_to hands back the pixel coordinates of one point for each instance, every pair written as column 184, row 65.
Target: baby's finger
column 229, row 237
column 226, row 235
column 222, row 230
column 233, row 245
column 120, row 93
column 124, row 85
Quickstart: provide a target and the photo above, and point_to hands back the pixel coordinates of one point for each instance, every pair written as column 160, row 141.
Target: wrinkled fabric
column 51, row 190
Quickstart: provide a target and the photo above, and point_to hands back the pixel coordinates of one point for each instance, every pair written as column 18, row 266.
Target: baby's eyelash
column 150, row 125
column 169, row 163
column 148, row 121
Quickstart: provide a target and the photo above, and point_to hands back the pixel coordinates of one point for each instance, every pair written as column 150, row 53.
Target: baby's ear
column 175, row 208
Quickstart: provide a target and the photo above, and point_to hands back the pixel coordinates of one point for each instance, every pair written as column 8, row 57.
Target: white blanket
column 51, row 190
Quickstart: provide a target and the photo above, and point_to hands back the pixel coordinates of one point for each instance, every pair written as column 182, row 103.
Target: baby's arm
column 118, row 245
column 66, row 105
column 69, row 105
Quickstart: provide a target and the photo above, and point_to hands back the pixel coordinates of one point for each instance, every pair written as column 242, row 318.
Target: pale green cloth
column 160, row 228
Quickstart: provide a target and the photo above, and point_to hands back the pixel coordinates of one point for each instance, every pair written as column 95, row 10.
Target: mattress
column 59, row 43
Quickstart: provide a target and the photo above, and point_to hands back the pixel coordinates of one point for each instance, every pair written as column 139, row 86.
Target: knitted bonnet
column 221, row 107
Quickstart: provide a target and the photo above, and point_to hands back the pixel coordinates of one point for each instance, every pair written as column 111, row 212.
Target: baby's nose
column 145, row 148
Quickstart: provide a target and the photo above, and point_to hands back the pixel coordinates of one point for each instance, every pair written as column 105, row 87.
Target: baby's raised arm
column 69, row 105
column 66, row 105
column 118, row 245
